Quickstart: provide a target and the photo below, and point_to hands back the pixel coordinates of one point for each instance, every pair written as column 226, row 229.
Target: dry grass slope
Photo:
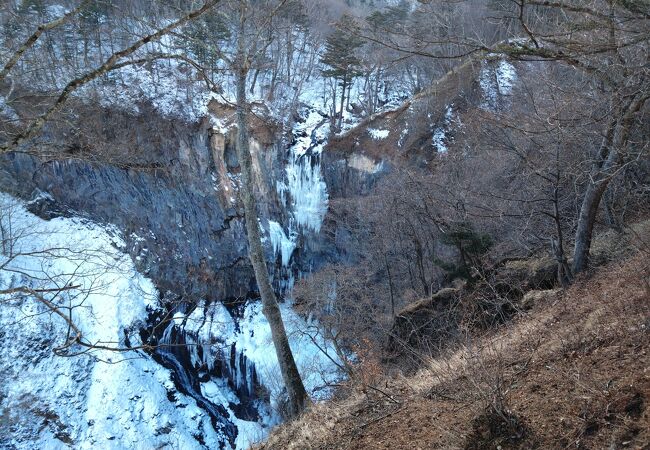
column 572, row 372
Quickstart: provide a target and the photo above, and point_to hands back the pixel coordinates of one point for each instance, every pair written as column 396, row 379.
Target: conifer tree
column 203, row 38
column 341, row 58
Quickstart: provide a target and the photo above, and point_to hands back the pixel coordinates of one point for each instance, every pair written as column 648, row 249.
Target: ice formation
column 115, row 400
column 282, row 244
column 304, row 191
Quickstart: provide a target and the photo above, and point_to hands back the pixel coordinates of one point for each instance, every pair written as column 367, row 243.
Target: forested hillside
column 324, row 224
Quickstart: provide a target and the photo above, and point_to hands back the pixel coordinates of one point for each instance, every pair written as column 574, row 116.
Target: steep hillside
column 423, row 216
column 149, row 373
column 571, row 372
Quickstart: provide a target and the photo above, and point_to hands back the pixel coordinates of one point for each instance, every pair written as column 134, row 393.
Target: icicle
column 307, row 189
column 192, row 347
column 282, row 244
column 249, row 376
column 208, row 357
column 240, row 371
column 166, row 339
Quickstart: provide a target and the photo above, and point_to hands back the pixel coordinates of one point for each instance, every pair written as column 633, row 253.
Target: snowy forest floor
column 571, row 372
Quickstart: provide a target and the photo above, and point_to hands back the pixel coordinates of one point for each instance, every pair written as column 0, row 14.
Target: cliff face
column 180, row 229
column 176, row 229
column 207, row 379
column 175, row 199
column 171, row 187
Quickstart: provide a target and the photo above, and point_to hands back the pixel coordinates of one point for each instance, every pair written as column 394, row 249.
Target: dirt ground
column 572, row 372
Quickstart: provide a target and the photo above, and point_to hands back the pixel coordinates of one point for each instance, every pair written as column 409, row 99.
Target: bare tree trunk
column 586, row 221
column 254, row 83
column 334, row 114
column 347, row 100
column 298, row 398
column 610, row 214
column 564, row 274
column 4, row 239
column 339, row 123
column 289, row 54
column 390, row 285
column 419, row 259
column 605, row 166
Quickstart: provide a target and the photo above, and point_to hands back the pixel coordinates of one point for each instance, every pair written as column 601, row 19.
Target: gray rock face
column 344, row 178
column 177, row 231
column 183, row 228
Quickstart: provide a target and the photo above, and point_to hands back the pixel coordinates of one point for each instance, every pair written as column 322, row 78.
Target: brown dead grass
column 574, row 372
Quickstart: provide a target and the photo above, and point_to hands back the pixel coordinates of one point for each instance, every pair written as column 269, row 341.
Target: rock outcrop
column 426, row 323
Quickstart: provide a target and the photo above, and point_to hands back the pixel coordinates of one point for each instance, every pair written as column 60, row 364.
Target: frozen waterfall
column 304, row 192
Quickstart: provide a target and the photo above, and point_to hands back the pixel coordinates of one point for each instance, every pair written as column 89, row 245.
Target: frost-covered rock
column 6, row 111
column 442, row 133
column 378, row 134
column 115, row 400
column 100, row 399
column 496, row 80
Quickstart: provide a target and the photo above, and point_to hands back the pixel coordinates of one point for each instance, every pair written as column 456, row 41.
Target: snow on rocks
column 496, row 80
column 101, row 399
column 158, row 84
column 441, row 134
column 402, row 135
column 121, row 400
column 315, row 357
column 378, row 134
column 250, row 336
column 240, row 347
column 364, row 164
column 7, row 111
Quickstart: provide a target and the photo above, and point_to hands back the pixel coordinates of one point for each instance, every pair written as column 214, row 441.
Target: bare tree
column 565, row 32
column 245, row 55
column 606, row 42
column 115, row 61
column 38, row 265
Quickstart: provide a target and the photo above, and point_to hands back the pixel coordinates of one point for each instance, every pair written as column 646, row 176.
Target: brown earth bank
column 573, row 371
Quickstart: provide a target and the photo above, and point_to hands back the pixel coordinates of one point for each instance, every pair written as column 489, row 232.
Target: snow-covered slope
column 107, row 399
column 101, row 399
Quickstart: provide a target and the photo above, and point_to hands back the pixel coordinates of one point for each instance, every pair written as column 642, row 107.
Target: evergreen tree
column 341, row 58
column 391, row 18
column 203, row 38
column 471, row 246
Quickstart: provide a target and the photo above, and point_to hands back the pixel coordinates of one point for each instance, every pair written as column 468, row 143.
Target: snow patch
column 402, row 135
column 496, row 81
column 316, row 359
column 101, row 399
column 7, row 111
column 378, row 134
column 115, row 400
column 441, row 137
column 365, row 164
